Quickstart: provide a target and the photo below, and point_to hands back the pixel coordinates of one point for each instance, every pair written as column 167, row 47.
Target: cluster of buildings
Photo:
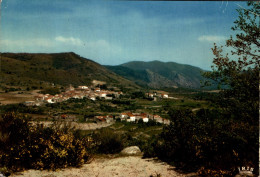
column 107, row 118
column 132, row 117
column 79, row 93
column 135, row 117
column 156, row 95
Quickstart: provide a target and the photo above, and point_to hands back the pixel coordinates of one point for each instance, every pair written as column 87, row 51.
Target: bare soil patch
column 79, row 126
column 131, row 166
column 17, row 97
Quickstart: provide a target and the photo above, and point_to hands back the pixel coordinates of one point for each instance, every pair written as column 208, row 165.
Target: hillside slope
column 21, row 69
column 158, row 74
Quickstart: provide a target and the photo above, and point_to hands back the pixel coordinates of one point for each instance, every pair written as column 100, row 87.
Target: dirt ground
column 80, row 126
column 131, row 166
column 17, row 97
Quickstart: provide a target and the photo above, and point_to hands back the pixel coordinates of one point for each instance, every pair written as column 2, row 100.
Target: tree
column 51, row 91
column 227, row 137
column 237, row 72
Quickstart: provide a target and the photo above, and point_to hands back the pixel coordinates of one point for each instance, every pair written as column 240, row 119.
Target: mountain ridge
column 69, row 68
column 59, row 68
column 157, row 74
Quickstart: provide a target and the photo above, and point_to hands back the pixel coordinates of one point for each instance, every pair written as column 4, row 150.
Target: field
column 17, row 97
column 84, row 109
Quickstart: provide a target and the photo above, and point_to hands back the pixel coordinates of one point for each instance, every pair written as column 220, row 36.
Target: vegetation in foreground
column 23, row 146
column 217, row 142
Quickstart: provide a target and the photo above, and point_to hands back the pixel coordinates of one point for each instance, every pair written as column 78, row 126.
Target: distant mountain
column 158, row 74
column 22, row 69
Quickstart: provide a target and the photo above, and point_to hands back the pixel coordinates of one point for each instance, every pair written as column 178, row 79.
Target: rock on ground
column 132, row 150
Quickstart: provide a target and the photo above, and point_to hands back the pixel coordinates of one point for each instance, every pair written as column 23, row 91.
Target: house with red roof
column 131, row 117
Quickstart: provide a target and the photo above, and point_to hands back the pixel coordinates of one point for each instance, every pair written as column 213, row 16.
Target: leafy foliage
column 21, row 108
column 239, row 73
column 207, row 139
column 51, row 90
column 137, row 94
column 108, row 142
column 215, row 142
column 23, row 146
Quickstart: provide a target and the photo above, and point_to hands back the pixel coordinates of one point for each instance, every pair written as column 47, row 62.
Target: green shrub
column 109, row 142
column 23, row 146
column 51, row 91
column 137, row 94
column 21, row 108
column 150, row 147
column 209, row 139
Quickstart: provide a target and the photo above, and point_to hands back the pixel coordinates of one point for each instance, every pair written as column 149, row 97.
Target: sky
column 115, row 32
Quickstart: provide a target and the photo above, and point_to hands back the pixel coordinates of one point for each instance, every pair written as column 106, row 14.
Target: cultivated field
column 17, row 97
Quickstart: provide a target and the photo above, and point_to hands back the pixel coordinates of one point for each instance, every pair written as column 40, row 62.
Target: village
column 85, row 92
column 94, row 93
column 132, row 117
column 71, row 92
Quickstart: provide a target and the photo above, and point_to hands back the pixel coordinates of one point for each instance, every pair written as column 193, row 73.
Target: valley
column 129, row 88
column 98, row 112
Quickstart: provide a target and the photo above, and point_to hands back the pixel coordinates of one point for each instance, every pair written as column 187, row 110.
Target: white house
column 145, row 119
column 108, row 98
column 103, row 94
column 123, row 115
column 131, row 117
column 128, row 116
column 165, row 96
column 150, row 95
column 109, row 119
column 83, row 87
column 92, row 97
column 50, row 100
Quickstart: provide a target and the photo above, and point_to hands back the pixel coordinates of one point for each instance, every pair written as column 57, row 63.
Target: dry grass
column 17, row 97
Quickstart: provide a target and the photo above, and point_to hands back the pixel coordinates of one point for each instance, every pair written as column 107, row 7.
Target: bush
column 108, row 142
column 150, row 123
column 51, row 91
column 209, row 139
column 150, row 147
column 21, row 108
column 137, row 94
column 107, row 108
column 23, row 146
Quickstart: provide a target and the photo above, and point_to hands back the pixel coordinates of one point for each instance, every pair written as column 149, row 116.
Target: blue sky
column 114, row 32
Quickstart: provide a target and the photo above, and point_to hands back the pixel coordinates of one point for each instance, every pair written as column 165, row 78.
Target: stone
column 132, row 150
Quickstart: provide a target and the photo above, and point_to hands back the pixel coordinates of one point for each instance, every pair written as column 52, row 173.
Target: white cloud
column 209, row 38
column 69, row 40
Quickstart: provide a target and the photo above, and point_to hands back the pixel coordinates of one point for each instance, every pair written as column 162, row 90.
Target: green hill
column 158, row 74
column 26, row 69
